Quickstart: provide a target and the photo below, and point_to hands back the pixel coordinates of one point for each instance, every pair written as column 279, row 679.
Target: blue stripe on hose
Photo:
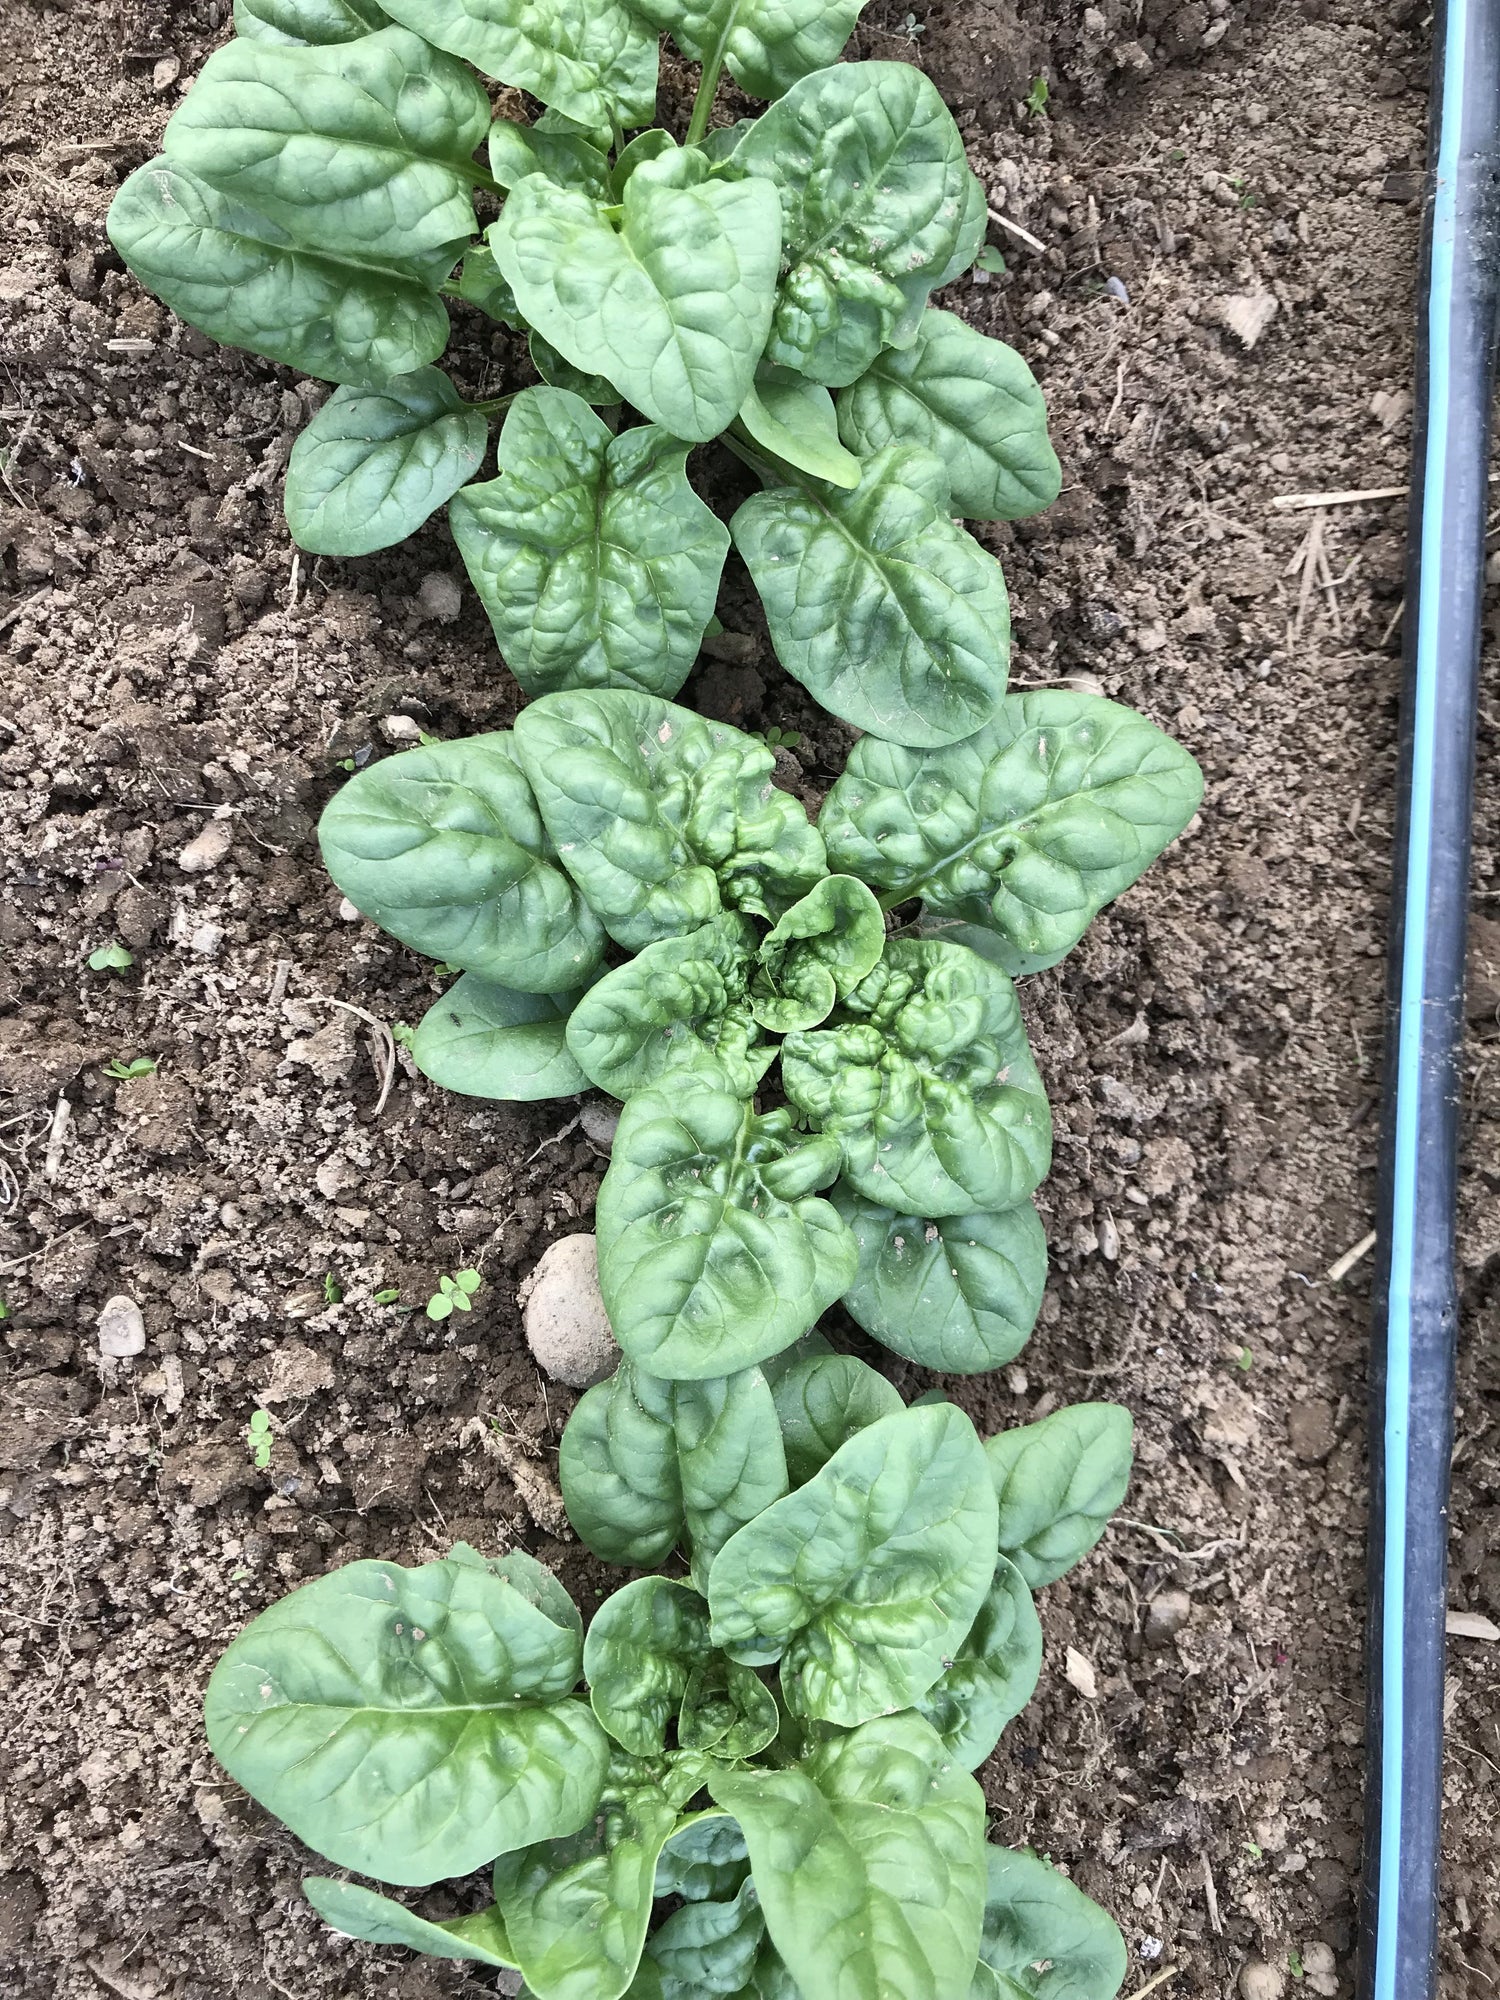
column 1409, row 1107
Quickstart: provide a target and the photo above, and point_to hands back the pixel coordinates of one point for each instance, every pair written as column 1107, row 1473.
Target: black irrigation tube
column 1416, row 1315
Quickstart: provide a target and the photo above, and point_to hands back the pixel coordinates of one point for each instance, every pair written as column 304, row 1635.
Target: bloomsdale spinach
column 753, row 1783
column 335, row 182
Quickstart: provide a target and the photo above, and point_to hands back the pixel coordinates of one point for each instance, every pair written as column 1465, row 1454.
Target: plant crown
column 766, row 1789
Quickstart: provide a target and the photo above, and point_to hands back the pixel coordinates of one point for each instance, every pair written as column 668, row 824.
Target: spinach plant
column 320, row 202
column 765, row 1790
column 635, row 906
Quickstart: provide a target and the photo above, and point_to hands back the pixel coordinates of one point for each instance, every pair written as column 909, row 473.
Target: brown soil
column 1212, row 1049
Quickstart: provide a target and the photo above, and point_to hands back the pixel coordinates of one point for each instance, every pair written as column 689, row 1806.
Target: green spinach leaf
column 727, row 1710
column 796, row 420
column 1058, row 1481
column 866, row 1580
column 358, row 1912
column 1027, row 829
column 821, row 1402
column 565, row 157
column 868, row 1859
column 960, row 1294
column 730, row 1458
column 705, row 1858
column 973, row 402
column 816, row 954
column 924, row 1078
column 443, row 847
column 993, row 1675
column 374, row 463
column 618, row 1469
column 878, row 602
column 643, row 1648
column 487, row 1040
column 706, row 1951
column 766, row 45
column 590, row 59
column 307, row 20
column 595, row 559
column 410, row 1724
column 1043, row 1939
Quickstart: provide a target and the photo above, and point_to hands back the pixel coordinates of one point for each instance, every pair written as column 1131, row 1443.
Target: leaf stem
column 496, row 404
column 708, row 89
column 766, row 466
column 478, row 176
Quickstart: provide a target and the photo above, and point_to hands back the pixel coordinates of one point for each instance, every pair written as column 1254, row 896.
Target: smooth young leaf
column 874, row 190
column 672, row 303
column 994, row 1672
column 730, row 1459
column 408, row 1723
column 865, row 1580
column 241, row 279
column 565, row 157
column 1058, row 1481
column 960, row 1294
column 641, row 1651
column 374, row 463
column 576, row 1910
column 972, row 401
column 1043, row 1939
column 817, row 953
column 1027, row 829
column 520, row 1569
column 362, row 150
column 480, row 284
column 878, row 602
column 727, row 1710
column 647, row 145
column 590, row 59
column 661, row 817
column 869, row 1862
column 707, row 1951
column 618, row 1469
column 443, row 847
column 924, row 1077
column 357, row 1912
column 558, row 373
column 680, row 1004
column 821, row 1402
column 796, row 420
column 595, row 559
column 705, row 1858
column 487, row 1040
column 307, row 20
column 714, row 1249
column 766, row 45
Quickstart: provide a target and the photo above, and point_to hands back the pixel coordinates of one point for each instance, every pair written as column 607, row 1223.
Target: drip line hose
column 1415, row 1327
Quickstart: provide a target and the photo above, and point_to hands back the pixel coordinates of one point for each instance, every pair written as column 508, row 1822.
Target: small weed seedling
column 333, row 1291
column 124, row 1071
column 1036, row 97
column 388, row 1297
column 258, row 1437
column 111, row 957
column 454, row 1294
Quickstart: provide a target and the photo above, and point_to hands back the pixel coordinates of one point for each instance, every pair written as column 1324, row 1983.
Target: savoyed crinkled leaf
column 727, row 1710
column 565, row 157
column 1028, row 829
column 818, row 952
column 1043, row 1939
column 960, row 1294
column 617, row 1467
column 374, row 463
column 714, row 1249
column 874, row 191
column 924, row 1077
column 307, row 20
column 971, row 400
column 590, row 59
column 241, row 279
column 595, row 559
column 642, row 1649
column 730, row 1459
column 358, row 1912
column 707, row 1951
column 869, row 1862
column 1058, row 1481
column 680, row 1004
column 994, row 1672
column 487, row 1040
column 766, row 45
column 443, row 847
column 821, row 1402
column 865, row 1580
column 661, row 817
column 672, row 303
column 409, row 1723
column 363, row 150
column 576, row 1910
column 705, row 1858
column 796, row 420
column 878, row 602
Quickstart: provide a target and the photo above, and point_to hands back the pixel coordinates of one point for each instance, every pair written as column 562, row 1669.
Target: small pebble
column 440, row 597
column 207, row 848
column 122, row 1330
column 1166, row 1615
column 567, row 1328
column 401, row 729
column 347, row 912
column 205, row 939
column 1259, row 1981
column 165, row 74
column 600, row 1124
